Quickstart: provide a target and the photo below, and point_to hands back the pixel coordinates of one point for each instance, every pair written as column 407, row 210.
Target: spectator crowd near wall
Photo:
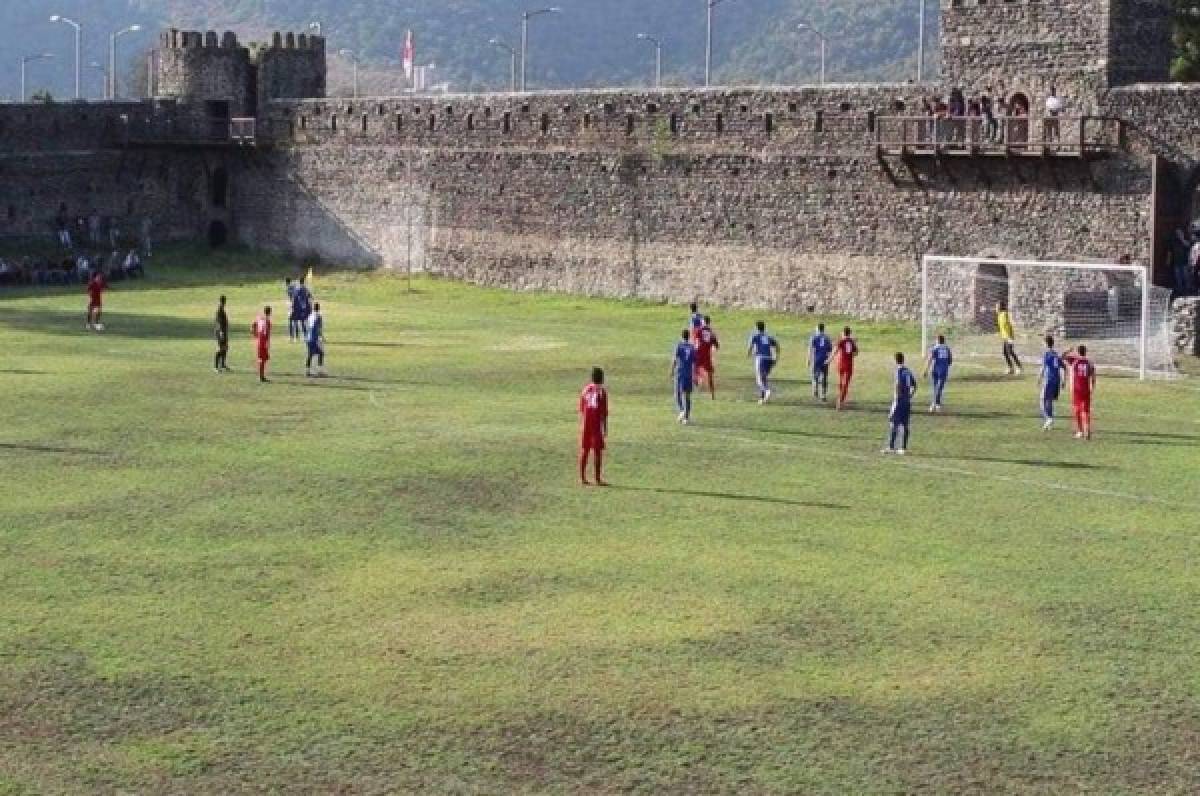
column 82, row 243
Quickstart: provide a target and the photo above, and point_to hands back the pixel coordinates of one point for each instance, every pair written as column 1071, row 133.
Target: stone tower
column 220, row 78
column 204, row 68
column 1079, row 47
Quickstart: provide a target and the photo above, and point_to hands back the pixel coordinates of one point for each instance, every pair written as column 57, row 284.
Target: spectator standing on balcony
column 989, row 114
column 1054, row 109
column 1002, row 112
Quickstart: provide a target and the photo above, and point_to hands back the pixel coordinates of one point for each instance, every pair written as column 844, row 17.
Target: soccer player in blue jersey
column 765, row 350
column 315, row 337
column 938, row 362
column 820, row 351
column 683, row 369
column 901, row 413
column 301, row 309
column 1050, row 380
column 695, row 321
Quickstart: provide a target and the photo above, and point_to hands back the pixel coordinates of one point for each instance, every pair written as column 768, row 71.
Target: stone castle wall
column 72, row 157
column 760, row 198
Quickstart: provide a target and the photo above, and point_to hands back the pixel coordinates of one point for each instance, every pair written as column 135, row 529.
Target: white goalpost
column 1112, row 308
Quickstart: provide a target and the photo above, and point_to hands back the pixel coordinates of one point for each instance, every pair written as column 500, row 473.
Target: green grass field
column 390, row 581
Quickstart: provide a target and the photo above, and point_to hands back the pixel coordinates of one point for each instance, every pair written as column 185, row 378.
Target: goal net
column 1112, row 309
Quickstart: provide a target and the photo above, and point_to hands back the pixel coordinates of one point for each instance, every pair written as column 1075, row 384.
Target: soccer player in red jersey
column 95, row 288
column 1083, row 384
column 845, row 351
column 593, row 428
column 262, row 336
column 707, row 342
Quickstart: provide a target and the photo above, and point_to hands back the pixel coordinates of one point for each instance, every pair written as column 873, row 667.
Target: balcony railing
column 170, row 130
column 1062, row 136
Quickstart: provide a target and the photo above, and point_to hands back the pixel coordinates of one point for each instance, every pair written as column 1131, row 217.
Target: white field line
column 916, row 464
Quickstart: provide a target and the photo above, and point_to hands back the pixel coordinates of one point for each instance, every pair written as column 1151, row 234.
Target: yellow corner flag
column 309, row 279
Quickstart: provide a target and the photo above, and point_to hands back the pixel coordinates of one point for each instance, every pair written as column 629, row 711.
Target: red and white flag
column 409, row 56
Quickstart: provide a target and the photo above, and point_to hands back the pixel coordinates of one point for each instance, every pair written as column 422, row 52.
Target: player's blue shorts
column 1051, row 390
column 900, row 414
column 684, row 385
column 314, row 348
column 765, row 366
column 941, row 375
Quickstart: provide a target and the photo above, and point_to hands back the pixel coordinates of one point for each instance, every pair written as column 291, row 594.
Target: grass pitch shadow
column 1025, row 462
column 33, row 448
column 734, row 496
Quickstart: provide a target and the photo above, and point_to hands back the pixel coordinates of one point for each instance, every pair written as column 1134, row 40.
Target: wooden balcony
column 171, row 132
column 1069, row 137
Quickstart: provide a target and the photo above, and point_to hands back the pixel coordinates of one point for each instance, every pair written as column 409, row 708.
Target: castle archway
column 992, row 286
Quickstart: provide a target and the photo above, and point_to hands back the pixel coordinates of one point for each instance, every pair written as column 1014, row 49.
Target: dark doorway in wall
column 219, row 185
column 992, row 287
column 218, row 234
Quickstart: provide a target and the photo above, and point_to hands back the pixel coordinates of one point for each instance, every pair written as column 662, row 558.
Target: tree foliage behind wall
column 1186, row 65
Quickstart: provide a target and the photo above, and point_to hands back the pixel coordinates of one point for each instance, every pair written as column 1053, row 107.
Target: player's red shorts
column 705, row 365
column 591, row 440
column 94, row 304
column 264, row 353
column 1082, row 404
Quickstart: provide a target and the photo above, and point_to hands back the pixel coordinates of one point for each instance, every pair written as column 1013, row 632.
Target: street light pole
column 512, row 53
column 708, row 42
column 25, row 61
column 315, row 27
column 824, row 42
column 112, row 58
column 525, row 17
column 353, row 56
column 78, row 51
column 921, row 44
column 657, row 57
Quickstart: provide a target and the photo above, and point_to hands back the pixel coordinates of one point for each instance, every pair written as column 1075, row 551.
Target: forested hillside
column 591, row 43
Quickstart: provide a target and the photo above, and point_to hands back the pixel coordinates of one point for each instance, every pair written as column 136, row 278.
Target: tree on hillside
column 1186, row 65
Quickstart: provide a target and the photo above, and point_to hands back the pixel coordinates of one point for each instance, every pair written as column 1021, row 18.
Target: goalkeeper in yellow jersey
column 1004, row 326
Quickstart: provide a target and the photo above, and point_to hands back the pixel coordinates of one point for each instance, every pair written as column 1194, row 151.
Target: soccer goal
column 1111, row 308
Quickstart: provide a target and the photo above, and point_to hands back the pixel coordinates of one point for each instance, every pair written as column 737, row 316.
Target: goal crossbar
column 1141, row 272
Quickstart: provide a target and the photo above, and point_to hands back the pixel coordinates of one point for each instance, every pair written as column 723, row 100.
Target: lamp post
column 78, row 51
column 112, row 58
column 708, row 42
column 25, row 61
column 824, row 42
column 315, row 27
column 353, row 56
column 525, row 17
column 921, row 43
column 512, row 53
column 657, row 57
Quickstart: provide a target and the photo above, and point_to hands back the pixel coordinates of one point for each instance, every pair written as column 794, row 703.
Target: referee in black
column 220, row 361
